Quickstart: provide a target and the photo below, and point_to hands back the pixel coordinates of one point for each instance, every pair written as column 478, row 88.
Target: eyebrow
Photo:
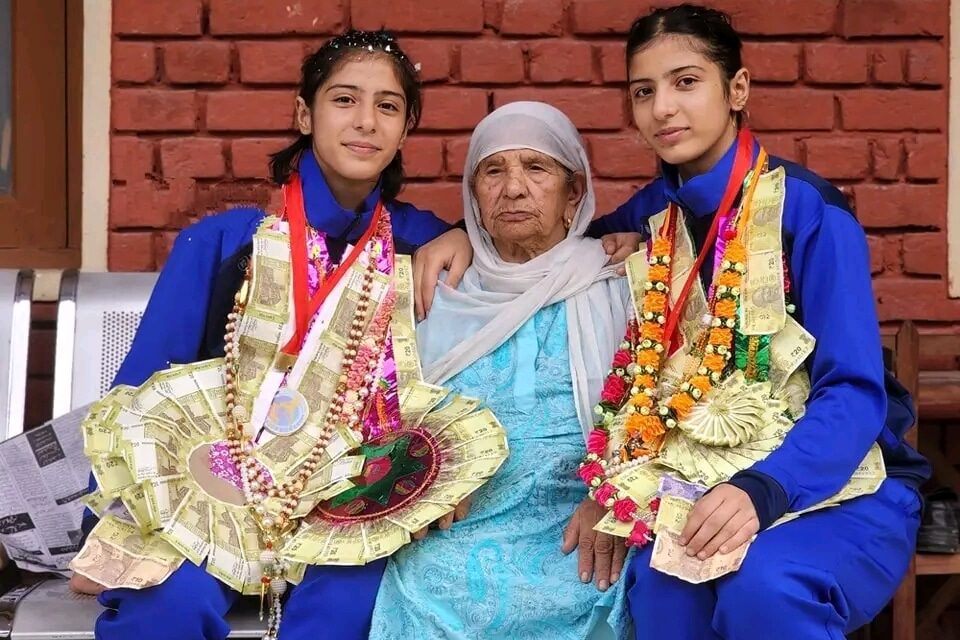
column 353, row 87
column 672, row 72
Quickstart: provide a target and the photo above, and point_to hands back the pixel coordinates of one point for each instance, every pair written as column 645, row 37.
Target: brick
column 219, row 196
column 135, row 17
column 787, row 17
column 887, row 158
column 926, row 157
column 588, row 108
column 447, row 108
column 133, row 62
column 613, row 67
column 432, row 55
column 196, row 62
column 879, row 110
column 901, row 205
column 419, row 16
column 455, row 155
column 130, row 251
column 491, row 61
column 621, row 156
column 887, row 64
column 780, row 109
column 163, row 245
column 192, row 158
column 131, row 158
column 875, row 245
column 492, row 14
column 828, row 63
column 611, row 194
column 532, row 18
column 255, row 17
column 561, row 61
column 925, row 254
column 153, row 110
column 150, row 203
column 901, row 298
column 870, row 18
column 772, row 61
column 837, row 158
column 782, row 146
column 270, row 62
column 423, row 157
column 443, row 198
column 607, row 16
column 265, row 110
column 927, row 64
column 250, row 157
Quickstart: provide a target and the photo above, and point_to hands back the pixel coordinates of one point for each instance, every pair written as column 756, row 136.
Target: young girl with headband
column 359, row 99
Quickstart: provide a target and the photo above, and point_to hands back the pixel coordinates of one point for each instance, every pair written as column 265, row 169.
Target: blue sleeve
column 173, row 324
column 847, row 406
column 633, row 214
column 413, row 228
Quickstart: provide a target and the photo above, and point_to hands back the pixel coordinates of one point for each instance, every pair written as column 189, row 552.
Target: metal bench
column 16, row 289
column 97, row 318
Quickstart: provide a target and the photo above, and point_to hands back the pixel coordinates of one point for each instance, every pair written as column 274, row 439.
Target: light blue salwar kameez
column 500, row 572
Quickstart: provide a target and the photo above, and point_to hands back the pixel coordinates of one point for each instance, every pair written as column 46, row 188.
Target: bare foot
column 84, row 585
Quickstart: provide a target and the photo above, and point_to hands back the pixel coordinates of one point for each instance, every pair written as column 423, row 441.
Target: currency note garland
column 634, row 379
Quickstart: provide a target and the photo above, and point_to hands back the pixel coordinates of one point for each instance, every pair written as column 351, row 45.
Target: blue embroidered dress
column 500, row 573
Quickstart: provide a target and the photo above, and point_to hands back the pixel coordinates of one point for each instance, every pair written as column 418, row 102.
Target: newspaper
column 43, row 477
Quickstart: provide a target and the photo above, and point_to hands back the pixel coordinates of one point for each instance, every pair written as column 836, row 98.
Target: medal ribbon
column 305, row 305
column 741, row 164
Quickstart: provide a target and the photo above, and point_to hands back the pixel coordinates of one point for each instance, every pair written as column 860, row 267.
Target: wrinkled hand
column 619, row 246
column 451, row 252
column 460, row 512
column 722, row 520
column 84, row 585
column 601, row 555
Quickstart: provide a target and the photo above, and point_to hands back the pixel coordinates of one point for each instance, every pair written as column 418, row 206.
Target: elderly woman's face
column 527, row 201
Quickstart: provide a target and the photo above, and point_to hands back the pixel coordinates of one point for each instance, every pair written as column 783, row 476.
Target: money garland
column 724, row 402
column 181, row 474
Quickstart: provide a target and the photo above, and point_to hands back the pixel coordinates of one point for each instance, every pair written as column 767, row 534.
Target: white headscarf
column 496, row 297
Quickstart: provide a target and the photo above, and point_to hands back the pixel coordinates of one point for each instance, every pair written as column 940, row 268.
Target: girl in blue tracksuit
column 831, row 571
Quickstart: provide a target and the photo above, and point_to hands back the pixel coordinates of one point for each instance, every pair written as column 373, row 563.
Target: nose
column 664, row 106
column 516, row 184
column 364, row 117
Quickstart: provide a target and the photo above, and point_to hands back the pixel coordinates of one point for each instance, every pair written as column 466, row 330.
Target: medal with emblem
column 288, row 412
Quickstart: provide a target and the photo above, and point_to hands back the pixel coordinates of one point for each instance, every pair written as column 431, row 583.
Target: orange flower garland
column 648, row 418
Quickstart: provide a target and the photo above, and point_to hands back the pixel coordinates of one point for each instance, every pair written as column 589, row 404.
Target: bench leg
column 905, row 606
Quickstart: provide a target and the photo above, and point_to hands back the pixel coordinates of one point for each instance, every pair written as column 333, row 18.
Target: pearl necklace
column 361, row 357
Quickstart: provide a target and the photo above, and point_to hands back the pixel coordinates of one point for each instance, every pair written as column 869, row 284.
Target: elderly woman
column 530, row 330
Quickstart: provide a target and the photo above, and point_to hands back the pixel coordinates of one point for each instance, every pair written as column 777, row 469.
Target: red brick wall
column 856, row 89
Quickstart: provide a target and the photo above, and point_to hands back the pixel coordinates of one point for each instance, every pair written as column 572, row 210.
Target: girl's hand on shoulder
column 450, row 252
column 619, row 246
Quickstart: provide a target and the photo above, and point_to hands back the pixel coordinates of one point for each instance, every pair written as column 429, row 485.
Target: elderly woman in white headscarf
column 531, row 330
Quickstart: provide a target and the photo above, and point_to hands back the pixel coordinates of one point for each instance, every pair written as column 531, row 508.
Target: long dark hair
column 710, row 28
column 323, row 63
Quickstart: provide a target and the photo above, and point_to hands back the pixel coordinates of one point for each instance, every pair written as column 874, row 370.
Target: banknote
column 344, row 546
column 111, row 474
column 670, row 557
column 673, row 486
column 418, row 399
column 226, row 559
column 420, row 516
column 115, row 555
column 673, row 513
column 610, row 525
column 189, row 529
column 789, row 349
column 380, row 539
column 455, row 408
column 163, row 497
